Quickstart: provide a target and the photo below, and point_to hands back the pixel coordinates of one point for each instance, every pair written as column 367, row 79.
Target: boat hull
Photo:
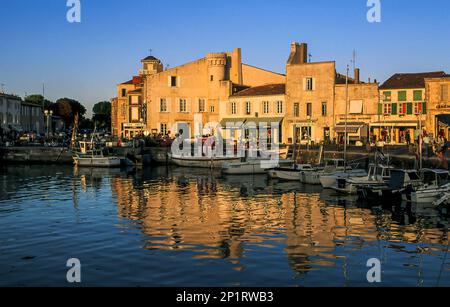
column 285, row 174
column 108, row 162
column 203, row 162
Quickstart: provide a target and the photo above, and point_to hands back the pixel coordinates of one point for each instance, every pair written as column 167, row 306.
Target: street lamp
column 48, row 114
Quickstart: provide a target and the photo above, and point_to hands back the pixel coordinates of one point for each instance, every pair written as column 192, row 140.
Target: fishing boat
column 253, row 166
column 89, row 156
column 289, row 174
column 435, row 183
column 202, row 162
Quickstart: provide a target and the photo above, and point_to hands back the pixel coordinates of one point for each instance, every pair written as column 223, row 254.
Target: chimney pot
column 357, row 76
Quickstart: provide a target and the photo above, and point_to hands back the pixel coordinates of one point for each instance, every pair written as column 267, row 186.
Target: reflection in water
column 247, row 229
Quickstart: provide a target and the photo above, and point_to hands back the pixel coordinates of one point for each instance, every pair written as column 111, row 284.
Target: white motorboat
column 378, row 176
column 91, row 157
column 329, row 180
column 435, row 183
column 332, row 166
column 289, row 174
column 202, row 162
column 253, row 166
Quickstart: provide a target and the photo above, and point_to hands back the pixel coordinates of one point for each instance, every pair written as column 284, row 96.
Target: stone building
column 10, row 112
column 403, row 107
column 316, row 101
column 437, row 91
column 32, row 117
column 166, row 101
column 260, row 106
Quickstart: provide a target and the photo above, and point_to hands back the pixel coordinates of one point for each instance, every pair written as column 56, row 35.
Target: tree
column 66, row 108
column 102, row 115
column 37, row 99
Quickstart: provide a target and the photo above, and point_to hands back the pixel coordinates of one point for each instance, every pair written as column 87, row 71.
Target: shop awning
column 258, row 121
column 350, row 127
column 395, row 124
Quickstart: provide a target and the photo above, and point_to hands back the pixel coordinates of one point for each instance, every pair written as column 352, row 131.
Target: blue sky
column 85, row 61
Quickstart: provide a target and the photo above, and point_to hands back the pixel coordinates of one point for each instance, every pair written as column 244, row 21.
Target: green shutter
column 424, row 108
column 402, row 96
column 380, row 109
column 409, row 108
column 394, row 109
column 387, row 96
column 418, row 95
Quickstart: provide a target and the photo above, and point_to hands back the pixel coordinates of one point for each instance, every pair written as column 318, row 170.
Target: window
column 402, row 96
column 324, row 109
column 444, row 92
column 163, row 105
column 280, row 107
column 173, row 81
column 417, row 95
column 296, row 109
column 212, row 78
column 402, row 108
column 163, row 129
column 248, row 108
column 387, row 109
column 266, row 109
column 309, row 109
column 387, row 96
column 309, row 84
column 233, row 108
column 124, row 92
column 201, row 106
column 213, row 109
column 418, row 108
column 183, row 106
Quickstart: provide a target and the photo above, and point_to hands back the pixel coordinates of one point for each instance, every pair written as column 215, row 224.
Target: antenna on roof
column 354, row 59
column 150, row 51
column 309, row 57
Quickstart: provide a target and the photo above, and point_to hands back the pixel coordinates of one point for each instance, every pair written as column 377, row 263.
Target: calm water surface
column 188, row 227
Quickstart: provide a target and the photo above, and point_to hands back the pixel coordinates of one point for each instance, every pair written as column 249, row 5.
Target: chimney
column 304, row 53
column 357, row 76
column 299, row 53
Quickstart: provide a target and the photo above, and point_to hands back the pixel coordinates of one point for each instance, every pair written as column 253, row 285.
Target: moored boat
column 202, row 162
column 253, row 166
column 289, row 174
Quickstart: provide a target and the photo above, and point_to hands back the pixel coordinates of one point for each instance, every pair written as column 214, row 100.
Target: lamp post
column 48, row 114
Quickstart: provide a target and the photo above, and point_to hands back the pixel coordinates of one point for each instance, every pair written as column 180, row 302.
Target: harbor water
column 191, row 227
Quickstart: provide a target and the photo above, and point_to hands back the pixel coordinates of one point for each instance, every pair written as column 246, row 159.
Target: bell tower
column 151, row 66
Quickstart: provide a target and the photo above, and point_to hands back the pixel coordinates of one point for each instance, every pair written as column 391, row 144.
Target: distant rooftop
column 410, row 80
column 150, row 58
column 263, row 90
column 135, row 80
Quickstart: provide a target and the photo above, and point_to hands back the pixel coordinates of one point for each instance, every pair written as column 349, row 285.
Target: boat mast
column 346, row 121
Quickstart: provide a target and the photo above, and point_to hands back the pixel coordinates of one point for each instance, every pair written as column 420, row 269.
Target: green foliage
column 37, row 99
column 102, row 115
column 102, row 108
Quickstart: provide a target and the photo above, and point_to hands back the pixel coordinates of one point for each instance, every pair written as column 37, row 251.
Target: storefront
column 131, row 130
column 356, row 132
column 235, row 127
column 394, row 132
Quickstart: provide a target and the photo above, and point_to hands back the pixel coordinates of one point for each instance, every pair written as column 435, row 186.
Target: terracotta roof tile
column 263, row 90
column 410, row 80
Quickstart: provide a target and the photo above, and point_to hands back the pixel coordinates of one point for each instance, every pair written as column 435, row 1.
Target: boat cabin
column 437, row 177
column 403, row 178
column 379, row 173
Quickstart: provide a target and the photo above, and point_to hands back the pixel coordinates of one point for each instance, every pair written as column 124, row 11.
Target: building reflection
column 224, row 218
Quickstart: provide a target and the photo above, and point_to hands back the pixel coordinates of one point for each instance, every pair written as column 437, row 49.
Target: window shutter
column 380, row 109
column 169, row 81
column 424, row 108
column 394, row 109
column 409, row 108
column 178, row 81
column 313, row 84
